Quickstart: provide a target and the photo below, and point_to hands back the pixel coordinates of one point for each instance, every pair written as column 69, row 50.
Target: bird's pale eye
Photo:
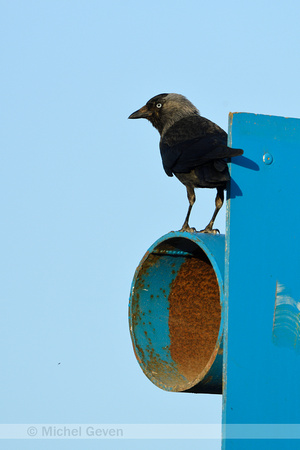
column 158, row 105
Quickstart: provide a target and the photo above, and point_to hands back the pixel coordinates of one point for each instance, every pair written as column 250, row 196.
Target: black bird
column 192, row 148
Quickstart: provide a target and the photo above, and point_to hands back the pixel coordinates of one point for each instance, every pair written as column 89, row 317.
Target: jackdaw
column 192, row 148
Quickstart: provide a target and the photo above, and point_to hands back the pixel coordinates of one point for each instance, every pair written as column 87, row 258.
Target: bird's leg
column 219, row 202
column 192, row 198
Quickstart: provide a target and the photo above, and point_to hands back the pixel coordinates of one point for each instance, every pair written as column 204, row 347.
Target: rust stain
column 160, row 372
column 194, row 316
column 149, row 261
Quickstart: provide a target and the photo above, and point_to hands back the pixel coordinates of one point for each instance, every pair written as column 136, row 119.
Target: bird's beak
column 142, row 113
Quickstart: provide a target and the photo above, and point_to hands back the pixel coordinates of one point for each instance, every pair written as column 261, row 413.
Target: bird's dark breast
column 205, row 176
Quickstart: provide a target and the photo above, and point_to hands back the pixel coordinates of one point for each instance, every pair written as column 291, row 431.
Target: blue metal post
column 261, row 376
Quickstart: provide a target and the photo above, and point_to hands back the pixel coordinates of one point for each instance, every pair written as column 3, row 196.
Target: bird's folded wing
column 187, row 155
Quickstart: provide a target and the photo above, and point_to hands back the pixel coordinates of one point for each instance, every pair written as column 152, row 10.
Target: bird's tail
column 234, row 152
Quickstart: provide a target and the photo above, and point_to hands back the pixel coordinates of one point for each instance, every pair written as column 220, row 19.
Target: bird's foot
column 209, row 230
column 188, row 229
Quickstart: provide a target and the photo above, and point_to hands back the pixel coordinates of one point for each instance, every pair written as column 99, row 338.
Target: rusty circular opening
column 176, row 317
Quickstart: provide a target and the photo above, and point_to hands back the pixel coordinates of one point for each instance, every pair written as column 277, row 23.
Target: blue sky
column 84, row 195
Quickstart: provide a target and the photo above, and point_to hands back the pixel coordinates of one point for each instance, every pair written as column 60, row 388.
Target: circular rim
column 198, row 239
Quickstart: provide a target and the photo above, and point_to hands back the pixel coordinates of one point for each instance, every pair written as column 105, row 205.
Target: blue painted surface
column 149, row 317
column 149, row 310
column 153, row 306
column 261, row 361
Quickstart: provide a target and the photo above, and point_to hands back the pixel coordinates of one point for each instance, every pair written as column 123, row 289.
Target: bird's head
column 164, row 110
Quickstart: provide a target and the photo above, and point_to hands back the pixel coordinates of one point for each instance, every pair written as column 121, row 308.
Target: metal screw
column 267, row 158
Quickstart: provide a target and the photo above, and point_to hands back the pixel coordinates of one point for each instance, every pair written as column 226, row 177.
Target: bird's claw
column 210, row 231
column 188, row 229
